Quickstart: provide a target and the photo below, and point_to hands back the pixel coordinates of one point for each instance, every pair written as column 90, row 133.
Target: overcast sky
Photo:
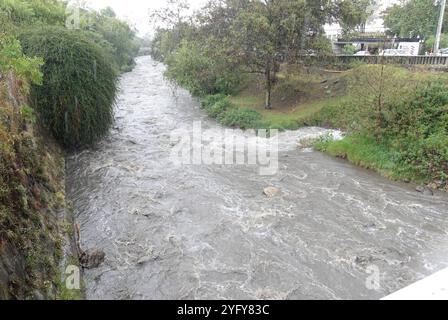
column 136, row 11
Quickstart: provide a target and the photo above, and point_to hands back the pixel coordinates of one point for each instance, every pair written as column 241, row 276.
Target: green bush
column 240, row 118
column 413, row 144
column 218, row 108
column 420, row 130
column 210, row 100
column 76, row 98
column 349, row 49
column 191, row 67
column 35, row 12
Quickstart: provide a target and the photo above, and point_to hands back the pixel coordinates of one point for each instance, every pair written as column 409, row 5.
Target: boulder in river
column 271, row 192
column 92, row 259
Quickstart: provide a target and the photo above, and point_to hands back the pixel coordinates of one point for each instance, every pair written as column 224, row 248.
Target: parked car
column 362, row 53
column 443, row 52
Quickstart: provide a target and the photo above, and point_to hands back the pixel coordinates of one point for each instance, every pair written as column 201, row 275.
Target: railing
column 400, row 60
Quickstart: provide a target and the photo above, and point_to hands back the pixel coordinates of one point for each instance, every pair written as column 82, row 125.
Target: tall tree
column 354, row 14
column 413, row 18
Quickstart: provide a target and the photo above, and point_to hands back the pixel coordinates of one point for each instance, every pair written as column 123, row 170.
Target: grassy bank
column 395, row 119
column 365, row 151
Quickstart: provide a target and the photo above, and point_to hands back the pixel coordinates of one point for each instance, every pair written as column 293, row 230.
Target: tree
column 108, row 12
column 245, row 36
column 354, row 14
column 413, row 18
column 176, row 12
column 269, row 31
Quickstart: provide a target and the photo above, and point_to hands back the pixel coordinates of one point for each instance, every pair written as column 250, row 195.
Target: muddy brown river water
column 208, row 232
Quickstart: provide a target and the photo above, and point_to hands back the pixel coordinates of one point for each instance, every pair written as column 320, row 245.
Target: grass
column 297, row 96
column 364, row 151
column 361, row 150
column 291, row 119
column 344, row 101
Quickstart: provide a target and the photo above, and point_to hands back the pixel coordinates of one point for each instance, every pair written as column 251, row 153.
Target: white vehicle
column 362, row 53
column 395, row 52
column 443, row 52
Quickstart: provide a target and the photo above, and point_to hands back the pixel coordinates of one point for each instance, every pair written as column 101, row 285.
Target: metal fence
column 397, row 60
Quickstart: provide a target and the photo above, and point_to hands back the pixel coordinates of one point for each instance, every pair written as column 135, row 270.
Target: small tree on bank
column 267, row 32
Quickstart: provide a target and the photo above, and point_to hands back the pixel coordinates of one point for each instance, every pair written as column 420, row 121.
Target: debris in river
column 92, row 259
column 89, row 259
column 425, row 190
column 271, row 192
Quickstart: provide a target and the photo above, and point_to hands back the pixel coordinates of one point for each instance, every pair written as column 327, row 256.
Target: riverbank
column 404, row 138
column 36, row 238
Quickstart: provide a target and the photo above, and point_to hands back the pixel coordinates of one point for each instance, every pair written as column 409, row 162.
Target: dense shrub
column 343, row 114
column 192, row 68
column 114, row 36
column 420, row 130
column 413, row 144
column 218, row 108
column 117, row 36
column 210, row 100
column 78, row 91
column 27, row 12
column 240, row 118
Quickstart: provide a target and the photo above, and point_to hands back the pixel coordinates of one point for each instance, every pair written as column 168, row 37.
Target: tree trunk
column 268, row 104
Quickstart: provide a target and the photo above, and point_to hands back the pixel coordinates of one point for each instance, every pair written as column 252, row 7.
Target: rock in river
column 92, row 259
column 425, row 190
column 271, row 192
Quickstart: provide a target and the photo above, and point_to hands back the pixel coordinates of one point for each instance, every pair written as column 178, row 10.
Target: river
column 207, row 232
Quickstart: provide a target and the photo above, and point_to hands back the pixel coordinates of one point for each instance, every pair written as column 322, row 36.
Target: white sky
column 136, row 11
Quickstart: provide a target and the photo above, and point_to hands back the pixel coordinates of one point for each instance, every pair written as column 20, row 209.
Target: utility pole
column 439, row 27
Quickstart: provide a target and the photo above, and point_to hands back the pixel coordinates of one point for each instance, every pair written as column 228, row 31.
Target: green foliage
column 413, row 140
column 430, row 41
column 354, row 14
column 240, row 118
column 420, row 129
column 349, row 49
column 219, row 107
column 167, row 41
column 13, row 60
column 364, row 150
column 28, row 114
column 34, row 12
column 116, row 38
column 342, row 114
column 236, row 37
column 210, row 100
column 116, row 35
column 196, row 71
column 413, row 18
column 76, row 98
